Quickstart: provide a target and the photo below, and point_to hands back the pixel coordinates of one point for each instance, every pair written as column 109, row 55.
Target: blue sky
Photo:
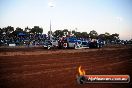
column 113, row 16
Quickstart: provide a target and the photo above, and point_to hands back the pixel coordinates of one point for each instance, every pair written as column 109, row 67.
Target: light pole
column 51, row 5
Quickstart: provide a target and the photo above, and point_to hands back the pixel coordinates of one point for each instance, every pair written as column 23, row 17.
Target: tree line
column 12, row 32
column 91, row 35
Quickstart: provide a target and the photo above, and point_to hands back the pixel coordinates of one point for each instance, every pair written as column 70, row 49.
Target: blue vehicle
column 73, row 42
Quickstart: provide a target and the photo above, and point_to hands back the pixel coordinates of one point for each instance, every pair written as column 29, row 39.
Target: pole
column 51, row 5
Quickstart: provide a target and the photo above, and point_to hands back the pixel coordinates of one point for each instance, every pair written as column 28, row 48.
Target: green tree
column 27, row 29
column 93, row 34
column 58, row 33
column 73, row 32
column 36, row 30
column 49, row 33
column 102, row 36
column 1, row 31
column 17, row 31
column 7, row 30
column 78, row 34
column 115, row 37
column 85, row 35
column 66, row 32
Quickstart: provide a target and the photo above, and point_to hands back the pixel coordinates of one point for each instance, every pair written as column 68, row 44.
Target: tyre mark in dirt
column 54, row 65
column 57, row 60
column 54, row 52
column 78, row 60
column 58, row 70
column 44, row 52
column 37, row 67
column 93, row 54
column 43, row 65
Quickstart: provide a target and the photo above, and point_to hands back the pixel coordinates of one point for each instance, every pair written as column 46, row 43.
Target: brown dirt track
column 39, row 68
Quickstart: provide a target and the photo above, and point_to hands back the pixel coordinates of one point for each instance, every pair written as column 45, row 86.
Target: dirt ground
column 40, row 68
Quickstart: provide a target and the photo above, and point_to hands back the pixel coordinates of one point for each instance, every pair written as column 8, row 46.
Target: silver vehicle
column 50, row 44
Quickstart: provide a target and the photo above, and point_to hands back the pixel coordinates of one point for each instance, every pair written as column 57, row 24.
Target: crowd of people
column 23, row 39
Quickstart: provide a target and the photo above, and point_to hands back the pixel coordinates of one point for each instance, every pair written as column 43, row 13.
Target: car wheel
column 49, row 46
